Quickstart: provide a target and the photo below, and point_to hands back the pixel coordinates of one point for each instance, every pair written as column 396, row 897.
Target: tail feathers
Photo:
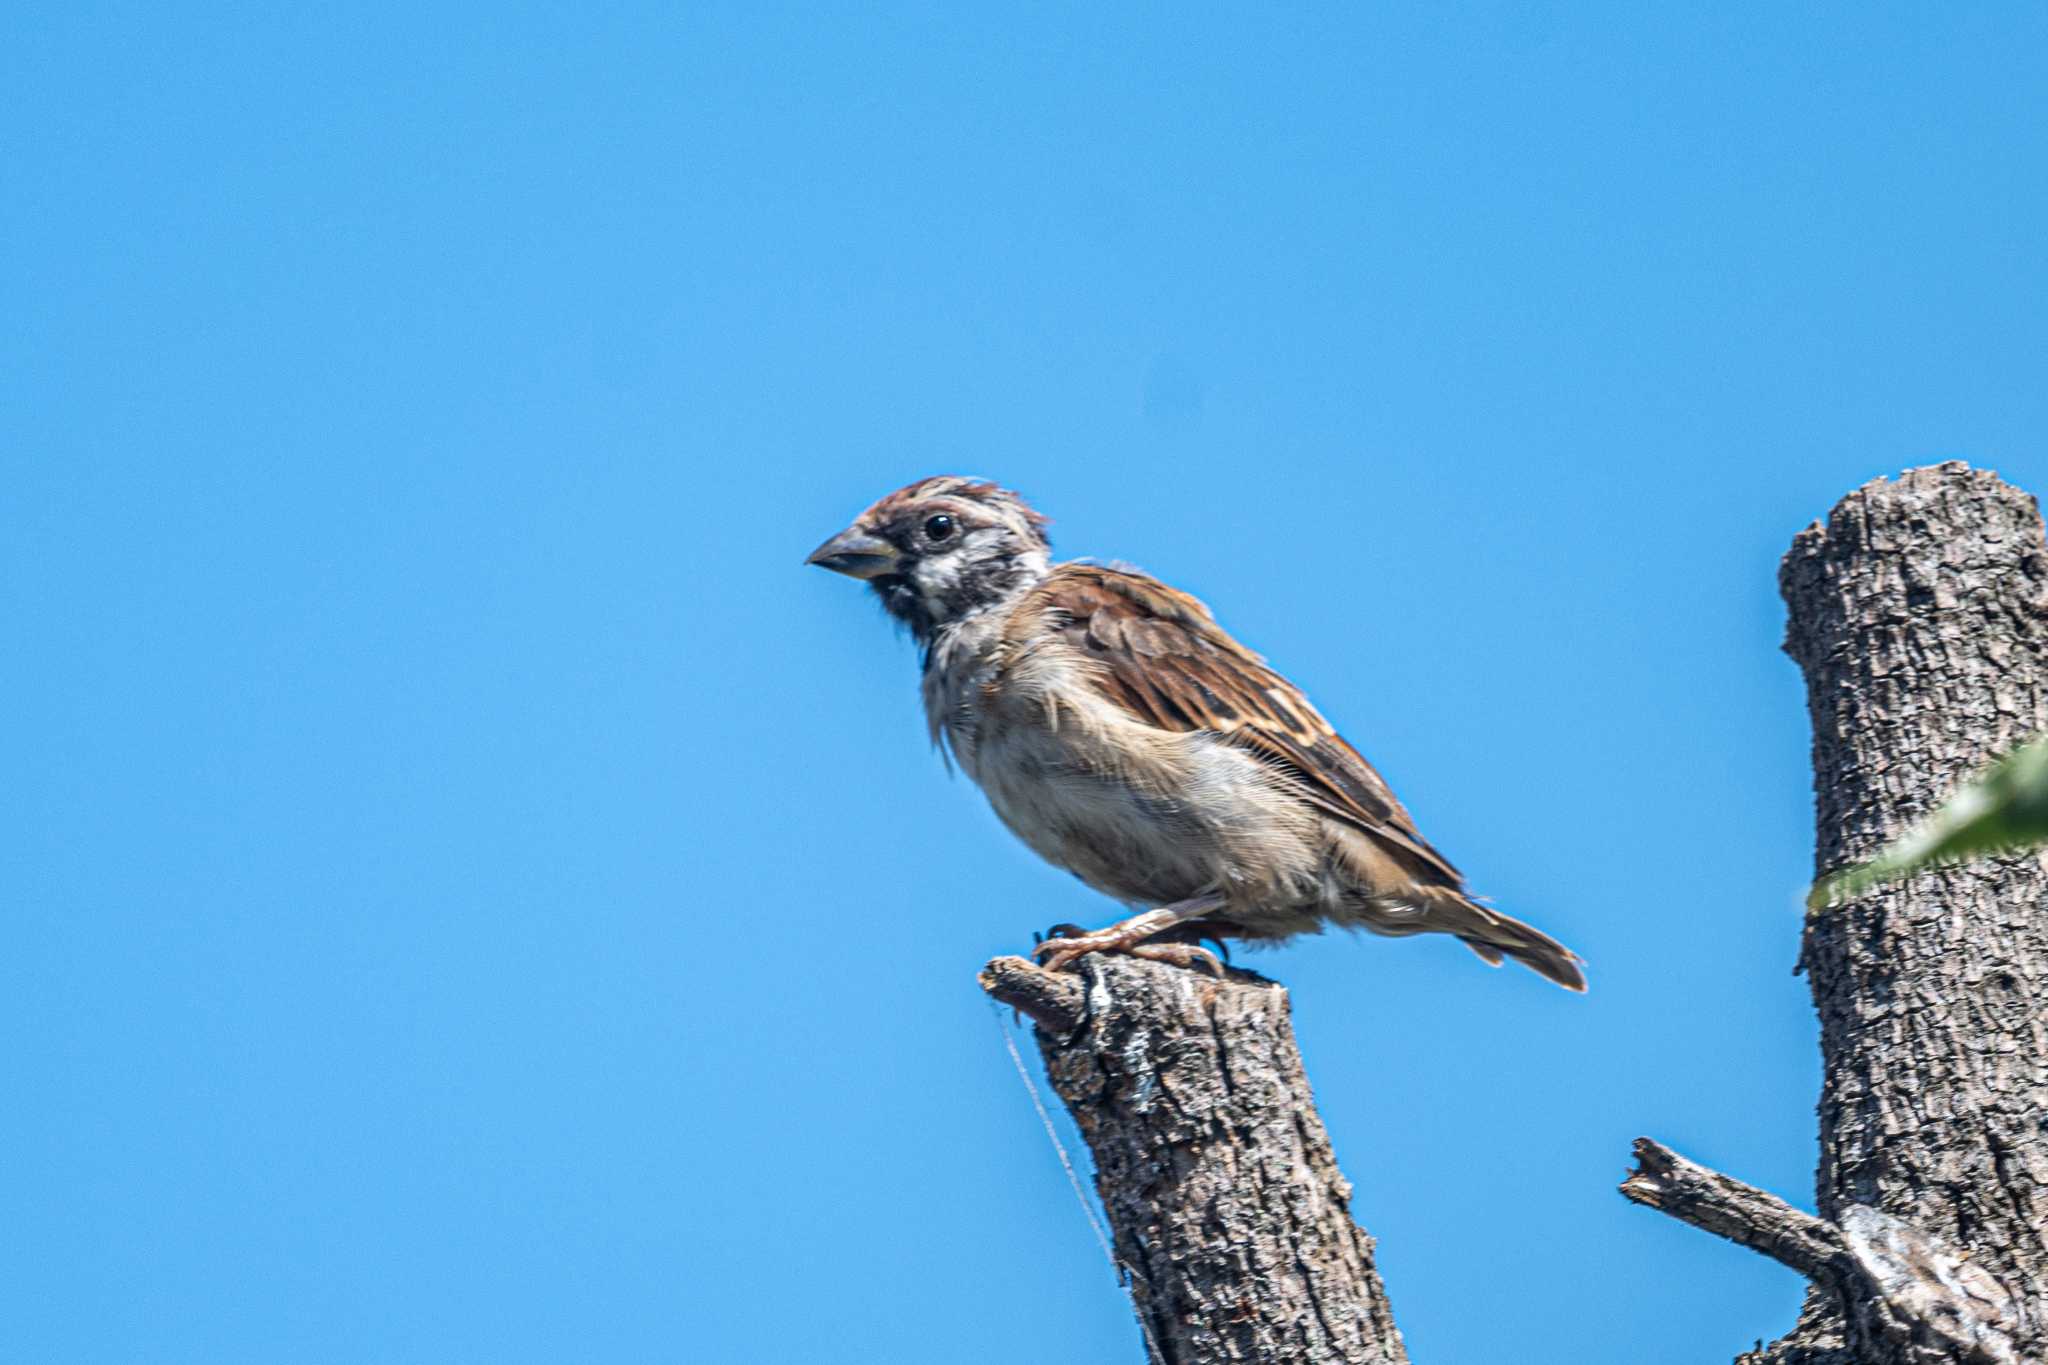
column 1537, row 951
column 1486, row 931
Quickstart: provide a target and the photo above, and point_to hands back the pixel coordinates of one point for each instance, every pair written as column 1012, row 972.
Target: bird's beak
column 856, row 554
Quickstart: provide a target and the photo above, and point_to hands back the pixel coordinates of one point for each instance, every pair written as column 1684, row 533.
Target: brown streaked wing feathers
column 1166, row 661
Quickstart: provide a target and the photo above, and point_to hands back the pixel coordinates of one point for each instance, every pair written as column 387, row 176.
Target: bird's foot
column 1192, row 956
column 1198, row 931
column 1063, row 949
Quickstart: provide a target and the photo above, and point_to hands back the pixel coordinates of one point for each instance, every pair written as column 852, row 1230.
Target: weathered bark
column 1227, row 1208
column 1665, row 1181
column 1915, row 1297
column 1916, row 615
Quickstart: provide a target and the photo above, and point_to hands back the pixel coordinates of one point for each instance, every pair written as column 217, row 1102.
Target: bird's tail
column 1483, row 929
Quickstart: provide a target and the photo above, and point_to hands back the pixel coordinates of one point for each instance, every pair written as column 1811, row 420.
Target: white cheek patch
column 982, row 567
column 936, row 577
column 940, row 573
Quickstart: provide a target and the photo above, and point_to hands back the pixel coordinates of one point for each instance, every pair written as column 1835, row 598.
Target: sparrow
column 1123, row 735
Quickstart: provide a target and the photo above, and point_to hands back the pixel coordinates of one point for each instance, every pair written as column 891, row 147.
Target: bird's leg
column 1128, row 936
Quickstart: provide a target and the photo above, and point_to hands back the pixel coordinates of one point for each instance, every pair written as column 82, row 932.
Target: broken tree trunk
column 1229, row 1215
column 1916, row 614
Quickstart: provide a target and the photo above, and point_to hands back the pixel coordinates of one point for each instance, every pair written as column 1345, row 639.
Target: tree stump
column 1916, row 614
column 1225, row 1203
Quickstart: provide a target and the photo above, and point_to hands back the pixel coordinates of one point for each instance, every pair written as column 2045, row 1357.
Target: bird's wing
column 1161, row 656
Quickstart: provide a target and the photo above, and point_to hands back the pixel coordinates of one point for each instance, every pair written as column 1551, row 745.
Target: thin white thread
column 1125, row 1274
column 1052, row 1134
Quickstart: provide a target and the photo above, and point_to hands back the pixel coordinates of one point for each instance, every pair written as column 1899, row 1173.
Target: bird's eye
column 940, row 527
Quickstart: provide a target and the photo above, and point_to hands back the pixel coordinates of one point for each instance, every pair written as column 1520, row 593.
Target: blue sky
column 471, row 895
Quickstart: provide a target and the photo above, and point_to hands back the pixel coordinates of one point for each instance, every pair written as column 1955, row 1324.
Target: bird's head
column 940, row 550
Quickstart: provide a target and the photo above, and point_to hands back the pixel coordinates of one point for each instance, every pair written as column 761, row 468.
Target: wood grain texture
column 1916, row 615
column 1224, row 1198
column 1665, row 1181
column 1915, row 1298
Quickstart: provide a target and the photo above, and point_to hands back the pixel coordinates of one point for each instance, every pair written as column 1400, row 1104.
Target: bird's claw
column 1192, row 956
column 1058, row 953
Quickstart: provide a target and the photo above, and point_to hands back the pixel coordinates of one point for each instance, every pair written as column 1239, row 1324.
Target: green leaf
column 2003, row 811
